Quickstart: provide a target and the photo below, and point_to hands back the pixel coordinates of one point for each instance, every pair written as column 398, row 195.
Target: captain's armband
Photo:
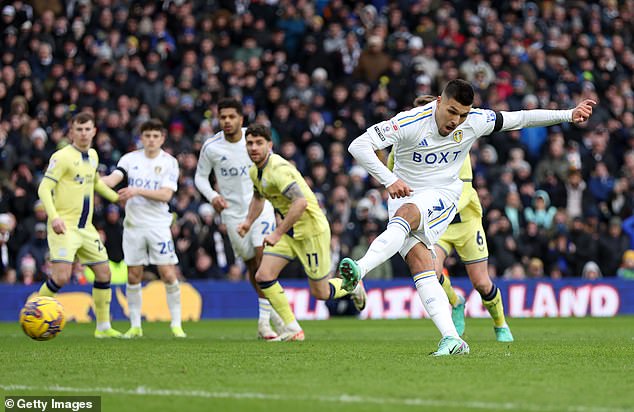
column 293, row 192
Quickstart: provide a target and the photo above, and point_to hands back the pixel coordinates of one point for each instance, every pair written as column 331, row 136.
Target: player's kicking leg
column 169, row 276
column 382, row 248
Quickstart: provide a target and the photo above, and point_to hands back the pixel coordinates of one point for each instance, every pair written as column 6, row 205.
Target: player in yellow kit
column 467, row 236
column 67, row 192
column 303, row 232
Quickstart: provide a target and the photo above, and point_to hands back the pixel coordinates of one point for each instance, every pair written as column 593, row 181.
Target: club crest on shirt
column 263, row 183
column 157, row 170
column 457, row 136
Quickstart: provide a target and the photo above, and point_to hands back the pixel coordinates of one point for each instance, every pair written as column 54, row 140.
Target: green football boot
column 503, row 334
column 350, row 273
column 451, row 346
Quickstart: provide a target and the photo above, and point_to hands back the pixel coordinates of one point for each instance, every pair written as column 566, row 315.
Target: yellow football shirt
column 273, row 179
column 75, row 173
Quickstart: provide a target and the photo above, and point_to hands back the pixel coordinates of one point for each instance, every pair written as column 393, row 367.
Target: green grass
column 345, row 365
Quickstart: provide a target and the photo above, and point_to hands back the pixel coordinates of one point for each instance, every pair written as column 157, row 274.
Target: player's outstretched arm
column 105, row 191
column 113, row 178
column 540, row 117
column 255, row 208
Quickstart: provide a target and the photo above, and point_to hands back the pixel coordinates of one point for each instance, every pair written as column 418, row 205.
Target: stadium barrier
column 386, row 300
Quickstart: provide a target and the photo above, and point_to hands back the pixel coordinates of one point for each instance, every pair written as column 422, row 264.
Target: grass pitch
column 582, row 365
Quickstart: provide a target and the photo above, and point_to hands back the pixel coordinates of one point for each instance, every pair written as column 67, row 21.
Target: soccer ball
column 42, row 318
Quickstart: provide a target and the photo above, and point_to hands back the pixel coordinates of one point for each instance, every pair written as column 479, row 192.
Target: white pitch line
column 353, row 399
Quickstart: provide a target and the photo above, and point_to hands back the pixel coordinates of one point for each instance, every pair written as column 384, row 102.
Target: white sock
column 294, row 326
column 385, row 245
column 435, row 302
column 277, row 321
column 265, row 310
column 135, row 299
column 174, row 302
column 103, row 326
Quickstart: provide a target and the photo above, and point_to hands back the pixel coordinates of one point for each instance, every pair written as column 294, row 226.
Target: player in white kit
column 432, row 142
column 152, row 177
column 226, row 154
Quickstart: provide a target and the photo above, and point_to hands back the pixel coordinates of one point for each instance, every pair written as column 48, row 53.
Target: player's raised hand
column 243, row 229
column 399, row 189
column 219, row 203
column 583, row 111
column 58, row 226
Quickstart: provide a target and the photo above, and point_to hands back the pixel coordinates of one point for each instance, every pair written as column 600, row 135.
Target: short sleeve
column 124, row 163
column 56, row 167
column 170, row 178
column 483, row 121
column 385, row 133
column 284, row 177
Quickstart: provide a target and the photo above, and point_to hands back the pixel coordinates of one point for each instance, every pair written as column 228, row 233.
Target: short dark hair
column 152, row 124
column 460, row 90
column 257, row 129
column 228, row 103
column 83, row 117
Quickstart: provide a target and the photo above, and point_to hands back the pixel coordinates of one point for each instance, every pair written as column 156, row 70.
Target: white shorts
column 262, row 226
column 437, row 209
column 143, row 246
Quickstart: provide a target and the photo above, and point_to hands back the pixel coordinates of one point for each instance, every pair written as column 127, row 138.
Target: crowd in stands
column 557, row 201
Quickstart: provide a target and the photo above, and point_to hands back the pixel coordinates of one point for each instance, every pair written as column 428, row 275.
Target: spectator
column 591, row 271
column 131, row 63
column 373, row 61
column 612, row 245
column 626, row 270
column 541, row 212
column 535, row 269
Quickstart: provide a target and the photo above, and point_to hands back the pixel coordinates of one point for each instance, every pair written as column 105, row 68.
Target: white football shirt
column 423, row 158
column 230, row 163
column 153, row 174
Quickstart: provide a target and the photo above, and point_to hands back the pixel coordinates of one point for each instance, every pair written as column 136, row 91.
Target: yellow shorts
column 313, row 253
column 469, row 240
column 82, row 243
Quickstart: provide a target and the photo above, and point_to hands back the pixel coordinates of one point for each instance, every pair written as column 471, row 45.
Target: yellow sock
column 45, row 291
column 446, row 285
column 274, row 292
column 101, row 297
column 495, row 308
column 336, row 291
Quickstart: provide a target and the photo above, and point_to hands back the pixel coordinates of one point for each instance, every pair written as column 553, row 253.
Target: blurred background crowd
column 557, row 201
